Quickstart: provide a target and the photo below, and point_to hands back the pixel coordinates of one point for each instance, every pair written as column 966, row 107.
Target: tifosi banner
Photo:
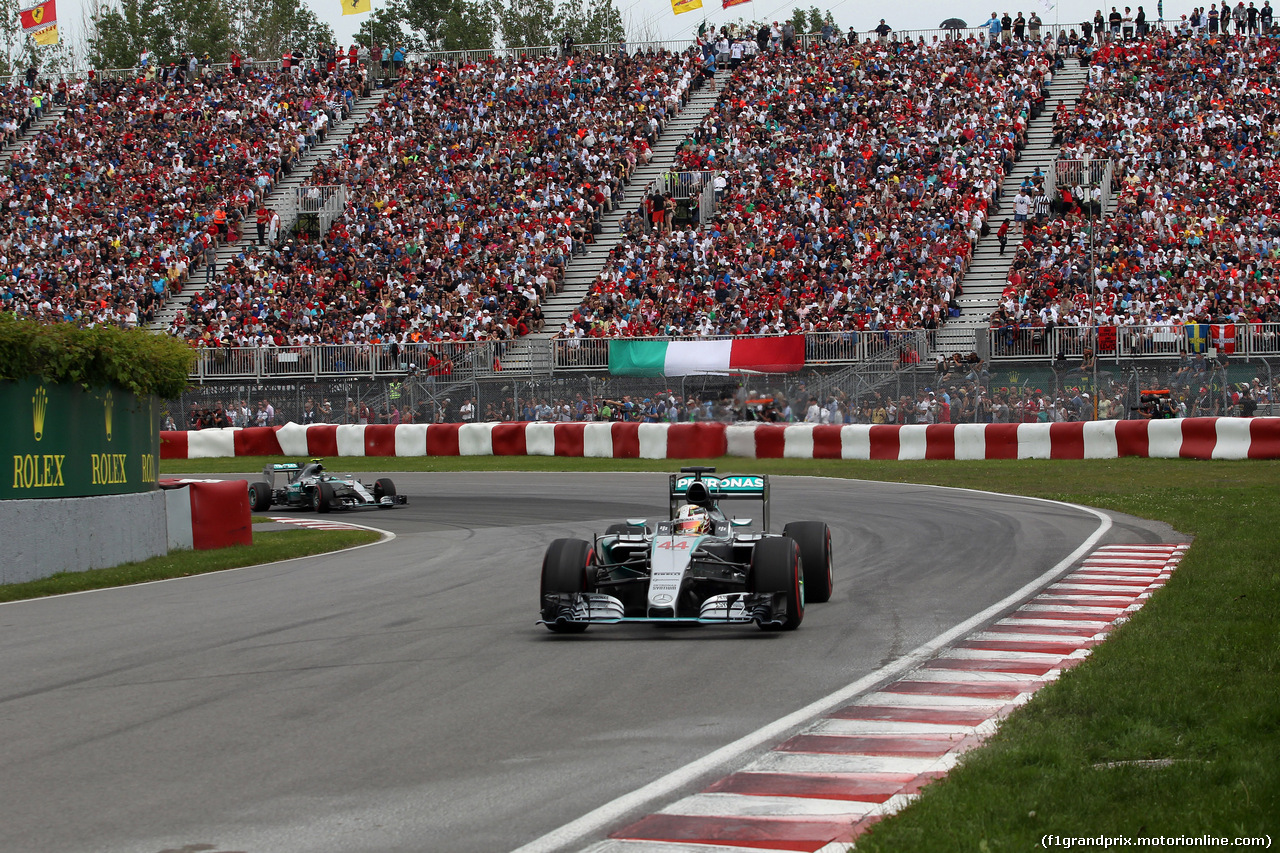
column 41, row 22
column 60, row 441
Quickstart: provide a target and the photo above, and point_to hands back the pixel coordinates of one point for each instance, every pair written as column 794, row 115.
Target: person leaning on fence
column 882, row 31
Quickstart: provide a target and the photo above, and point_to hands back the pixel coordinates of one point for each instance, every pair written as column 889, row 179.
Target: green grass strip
column 1190, row 687
column 1192, row 682
column 267, row 547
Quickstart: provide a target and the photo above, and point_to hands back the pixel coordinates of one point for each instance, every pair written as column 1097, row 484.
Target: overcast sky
column 654, row 17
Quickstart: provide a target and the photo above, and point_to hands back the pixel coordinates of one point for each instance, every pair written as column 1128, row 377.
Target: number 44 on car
column 697, row 566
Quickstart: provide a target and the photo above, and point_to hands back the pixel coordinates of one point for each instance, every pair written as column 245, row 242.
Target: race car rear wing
column 724, row 487
column 270, row 471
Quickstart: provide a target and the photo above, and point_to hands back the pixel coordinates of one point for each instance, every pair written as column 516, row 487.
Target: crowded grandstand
column 854, row 175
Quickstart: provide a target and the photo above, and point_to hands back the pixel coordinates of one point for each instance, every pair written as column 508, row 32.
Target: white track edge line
column 387, row 536
column 598, row 818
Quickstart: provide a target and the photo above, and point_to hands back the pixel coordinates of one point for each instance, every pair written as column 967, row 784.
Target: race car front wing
column 731, row 608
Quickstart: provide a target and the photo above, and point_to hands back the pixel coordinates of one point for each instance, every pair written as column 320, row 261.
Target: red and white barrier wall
column 1189, row 438
column 207, row 514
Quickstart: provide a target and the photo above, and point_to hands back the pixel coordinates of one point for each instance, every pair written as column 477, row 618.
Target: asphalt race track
column 401, row 698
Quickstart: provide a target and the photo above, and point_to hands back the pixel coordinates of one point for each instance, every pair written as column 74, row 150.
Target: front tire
column 322, row 497
column 775, row 568
column 814, row 539
column 259, row 496
column 564, row 571
column 383, row 487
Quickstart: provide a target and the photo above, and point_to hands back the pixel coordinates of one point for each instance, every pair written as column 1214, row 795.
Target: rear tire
column 814, row 539
column 259, row 497
column 775, row 568
column 322, row 498
column 383, row 487
column 564, row 570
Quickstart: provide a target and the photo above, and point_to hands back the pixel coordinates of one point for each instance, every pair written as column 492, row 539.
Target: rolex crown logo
column 107, row 404
column 39, row 405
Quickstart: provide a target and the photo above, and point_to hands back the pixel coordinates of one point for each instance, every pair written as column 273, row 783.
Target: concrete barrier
column 91, row 533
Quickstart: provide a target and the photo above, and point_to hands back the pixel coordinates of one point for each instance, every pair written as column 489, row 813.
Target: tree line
column 119, row 31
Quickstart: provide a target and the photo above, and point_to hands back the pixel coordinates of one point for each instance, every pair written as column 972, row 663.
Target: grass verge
column 267, row 547
column 1191, row 684
column 1194, row 677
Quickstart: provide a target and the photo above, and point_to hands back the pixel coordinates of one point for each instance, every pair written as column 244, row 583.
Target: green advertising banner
column 60, row 441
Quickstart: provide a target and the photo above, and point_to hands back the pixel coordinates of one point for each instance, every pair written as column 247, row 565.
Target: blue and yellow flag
column 356, row 7
column 1197, row 337
column 682, row 6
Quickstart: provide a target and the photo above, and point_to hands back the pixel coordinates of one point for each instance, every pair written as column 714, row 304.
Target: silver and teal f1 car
column 714, row 572
column 311, row 486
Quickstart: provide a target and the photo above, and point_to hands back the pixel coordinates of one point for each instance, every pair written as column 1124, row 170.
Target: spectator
column 1163, row 258
column 772, row 260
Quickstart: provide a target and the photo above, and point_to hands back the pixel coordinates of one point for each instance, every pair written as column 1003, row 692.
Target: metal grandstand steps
column 858, row 380
column 527, row 354
column 50, row 116
column 985, row 280
column 283, row 191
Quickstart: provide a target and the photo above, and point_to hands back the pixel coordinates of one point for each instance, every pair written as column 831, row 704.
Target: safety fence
column 820, row 348
column 975, row 392
column 428, row 399
column 468, row 360
column 1089, row 175
column 312, row 209
column 692, row 195
column 1188, row 438
column 479, row 360
column 440, row 358
column 1113, row 343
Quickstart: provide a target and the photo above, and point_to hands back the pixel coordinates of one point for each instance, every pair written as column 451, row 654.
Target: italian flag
column 683, row 358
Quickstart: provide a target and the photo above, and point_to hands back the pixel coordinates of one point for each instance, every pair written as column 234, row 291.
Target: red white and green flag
column 642, row 357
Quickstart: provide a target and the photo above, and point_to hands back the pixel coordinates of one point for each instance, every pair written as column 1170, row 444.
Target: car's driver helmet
column 692, row 520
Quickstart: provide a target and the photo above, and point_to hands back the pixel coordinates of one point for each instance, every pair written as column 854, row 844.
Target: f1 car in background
column 697, row 566
column 310, row 486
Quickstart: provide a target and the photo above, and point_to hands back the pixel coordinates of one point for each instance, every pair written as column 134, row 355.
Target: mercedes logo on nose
column 661, row 599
